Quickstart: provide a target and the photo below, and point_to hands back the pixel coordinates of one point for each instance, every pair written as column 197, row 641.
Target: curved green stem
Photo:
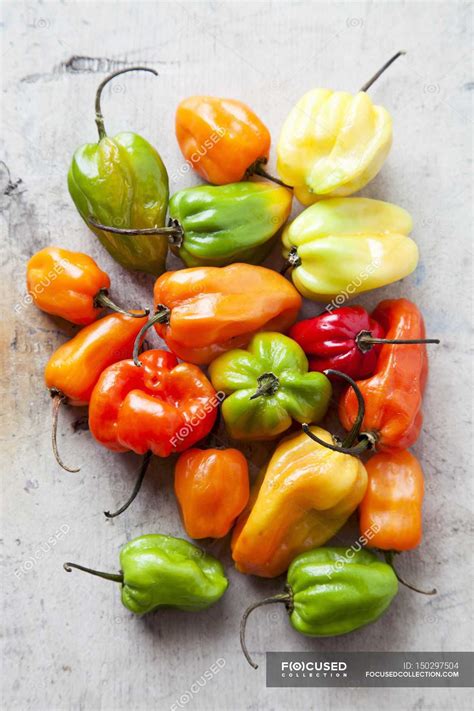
column 354, row 432
column 364, row 341
column 286, row 598
column 58, row 399
column 174, row 232
column 141, row 475
column 389, row 555
column 268, row 384
column 257, row 169
column 99, row 119
column 162, row 315
column 102, row 300
column 107, row 576
column 373, row 79
column 363, row 445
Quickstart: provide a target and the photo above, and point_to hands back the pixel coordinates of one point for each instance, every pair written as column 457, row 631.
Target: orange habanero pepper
column 222, row 139
column 393, row 395
column 70, row 285
column 212, row 488
column 75, row 367
column 204, row 311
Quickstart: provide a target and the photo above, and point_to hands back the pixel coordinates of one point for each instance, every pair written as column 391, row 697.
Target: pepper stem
column 107, row 576
column 373, row 79
column 136, row 488
column 102, row 299
column 268, row 384
column 174, row 232
column 293, row 260
column 58, row 399
column 257, row 169
column 364, row 341
column 286, row 598
column 99, row 119
column 162, row 315
column 389, row 555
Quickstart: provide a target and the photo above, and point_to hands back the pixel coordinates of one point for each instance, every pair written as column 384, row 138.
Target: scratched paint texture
column 68, row 642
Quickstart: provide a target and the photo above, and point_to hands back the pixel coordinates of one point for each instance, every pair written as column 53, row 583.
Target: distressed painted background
column 69, row 644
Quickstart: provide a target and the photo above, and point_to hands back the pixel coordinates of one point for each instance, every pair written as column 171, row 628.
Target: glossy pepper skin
column 228, row 223
column 332, row 144
column 331, row 340
column 392, row 505
column 212, row 309
column 75, row 367
column 162, row 571
column 212, row 488
column 303, row 497
column 267, row 387
column 221, row 138
column 394, row 394
column 348, row 246
column 161, row 406
column 121, row 181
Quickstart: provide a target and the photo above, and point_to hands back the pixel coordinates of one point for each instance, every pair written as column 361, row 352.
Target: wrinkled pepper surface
column 267, row 387
column 221, row 138
column 69, row 285
column 333, row 591
column 393, row 395
column 162, row 407
column 303, row 497
column 212, row 488
column 392, row 506
column 345, row 246
column 122, row 182
column 163, row 571
column 205, row 311
column 229, row 223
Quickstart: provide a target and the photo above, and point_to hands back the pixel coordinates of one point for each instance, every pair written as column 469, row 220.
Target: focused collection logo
column 313, row 668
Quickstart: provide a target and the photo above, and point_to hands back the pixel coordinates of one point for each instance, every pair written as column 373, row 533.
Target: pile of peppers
column 270, row 377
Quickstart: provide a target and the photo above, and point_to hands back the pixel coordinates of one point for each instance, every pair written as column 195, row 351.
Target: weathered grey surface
column 69, row 644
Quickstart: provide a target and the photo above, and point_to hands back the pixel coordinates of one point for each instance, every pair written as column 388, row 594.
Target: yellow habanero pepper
column 347, row 246
column 304, row 496
column 333, row 143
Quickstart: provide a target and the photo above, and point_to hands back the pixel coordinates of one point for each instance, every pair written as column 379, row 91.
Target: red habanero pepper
column 393, row 395
column 345, row 339
column 159, row 408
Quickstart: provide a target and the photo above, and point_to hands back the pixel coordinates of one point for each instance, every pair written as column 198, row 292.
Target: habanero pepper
column 391, row 509
column 212, row 488
column 332, row 591
column 348, row 245
column 75, row 367
column 393, row 395
column 205, row 311
column 267, row 387
column 347, row 339
column 162, row 571
column 159, row 408
column 219, row 225
column 334, row 143
column 121, row 181
column 223, row 139
column 70, row 285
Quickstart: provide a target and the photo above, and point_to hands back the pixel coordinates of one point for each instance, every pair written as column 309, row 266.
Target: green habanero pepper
column 228, row 223
column 163, row 571
column 332, row 591
column 121, row 181
column 267, row 386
